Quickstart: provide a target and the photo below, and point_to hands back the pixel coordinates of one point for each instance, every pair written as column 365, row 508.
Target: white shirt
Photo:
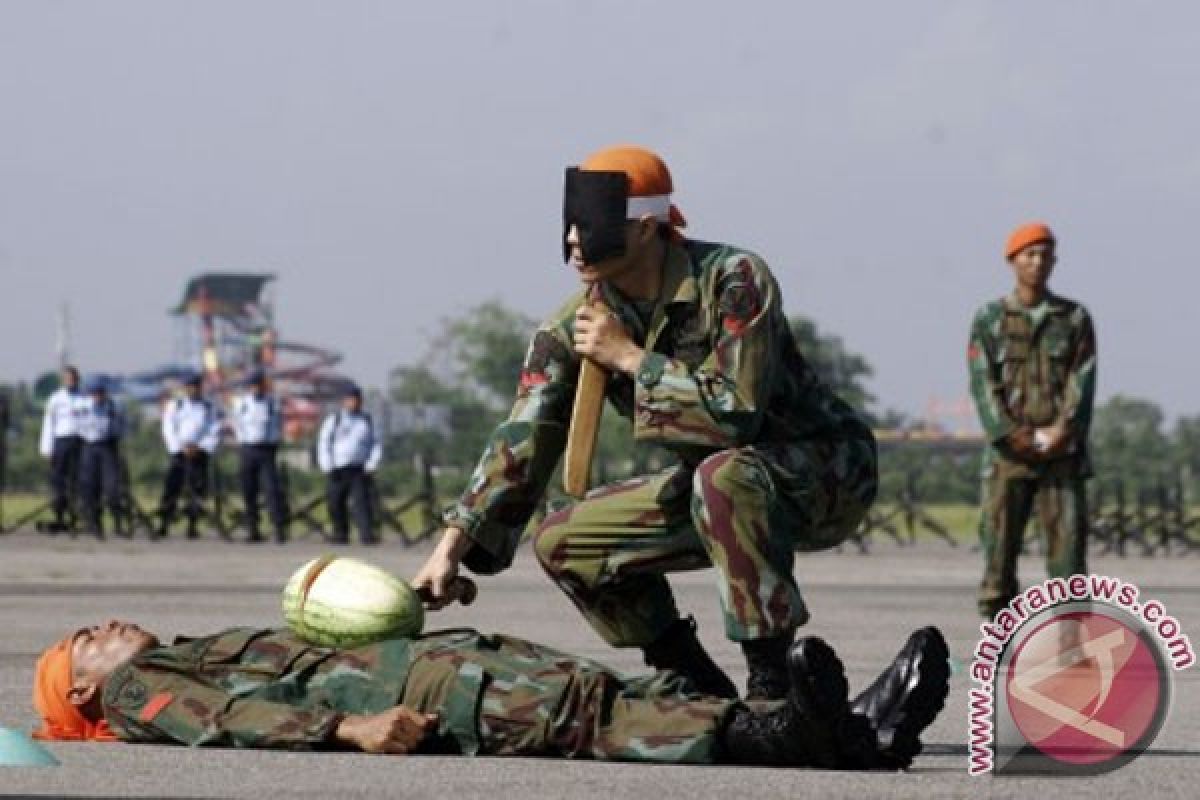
column 190, row 422
column 101, row 420
column 257, row 420
column 63, row 410
column 348, row 440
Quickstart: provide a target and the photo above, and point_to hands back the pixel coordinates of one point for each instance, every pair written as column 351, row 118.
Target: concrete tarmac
column 863, row 605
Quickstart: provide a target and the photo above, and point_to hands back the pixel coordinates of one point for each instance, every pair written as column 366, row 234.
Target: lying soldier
column 459, row 691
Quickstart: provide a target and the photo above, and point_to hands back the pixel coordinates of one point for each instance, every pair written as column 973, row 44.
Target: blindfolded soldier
column 701, row 359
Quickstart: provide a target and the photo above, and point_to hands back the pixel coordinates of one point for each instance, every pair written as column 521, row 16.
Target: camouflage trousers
column 743, row 511
column 1010, row 492
column 498, row 695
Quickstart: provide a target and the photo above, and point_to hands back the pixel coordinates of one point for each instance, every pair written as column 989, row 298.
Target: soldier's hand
column 1021, row 443
column 1056, row 439
column 441, row 568
column 397, row 731
column 600, row 336
column 190, row 450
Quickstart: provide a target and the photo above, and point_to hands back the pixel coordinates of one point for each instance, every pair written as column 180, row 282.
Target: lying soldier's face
column 100, row 649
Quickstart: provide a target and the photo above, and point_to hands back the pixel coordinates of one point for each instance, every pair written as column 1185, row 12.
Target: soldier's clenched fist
column 396, row 731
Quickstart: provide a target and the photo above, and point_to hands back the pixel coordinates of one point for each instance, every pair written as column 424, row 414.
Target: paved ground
column 864, row 605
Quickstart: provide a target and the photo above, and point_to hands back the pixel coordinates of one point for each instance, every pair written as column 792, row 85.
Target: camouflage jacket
column 721, row 370
column 1033, row 367
column 264, row 688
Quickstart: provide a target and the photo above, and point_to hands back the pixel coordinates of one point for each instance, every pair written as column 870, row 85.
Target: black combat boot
column 804, row 731
column 164, row 525
column 120, row 528
column 680, row 651
column 766, row 662
column 907, row 696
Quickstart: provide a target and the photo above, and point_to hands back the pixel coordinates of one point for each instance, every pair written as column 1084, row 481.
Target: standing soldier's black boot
column 680, row 651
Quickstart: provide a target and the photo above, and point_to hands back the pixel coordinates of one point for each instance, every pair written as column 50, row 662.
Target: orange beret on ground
column 61, row 719
column 1025, row 235
column 648, row 176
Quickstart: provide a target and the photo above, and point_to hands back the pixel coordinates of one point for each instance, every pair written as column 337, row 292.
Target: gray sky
column 398, row 162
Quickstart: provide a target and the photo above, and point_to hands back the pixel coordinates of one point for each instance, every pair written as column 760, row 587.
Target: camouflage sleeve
column 987, row 389
column 511, row 476
column 722, row 402
column 169, row 707
column 1081, row 379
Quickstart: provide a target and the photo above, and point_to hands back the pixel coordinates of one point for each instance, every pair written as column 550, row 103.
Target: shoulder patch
column 155, row 705
column 739, row 301
column 544, row 350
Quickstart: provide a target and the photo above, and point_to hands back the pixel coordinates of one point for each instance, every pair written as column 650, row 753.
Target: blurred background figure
column 190, row 429
column 348, row 450
column 101, row 425
column 258, row 428
column 60, row 442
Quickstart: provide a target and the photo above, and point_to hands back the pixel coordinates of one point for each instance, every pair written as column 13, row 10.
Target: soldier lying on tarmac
column 459, row 691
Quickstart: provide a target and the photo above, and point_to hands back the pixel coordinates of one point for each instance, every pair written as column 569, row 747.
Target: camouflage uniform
column 770, row 461
column 495, row 696
column 1032, row 367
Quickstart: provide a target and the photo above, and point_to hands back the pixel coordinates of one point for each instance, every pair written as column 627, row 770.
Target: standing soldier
column 258, row 428
column 101, row 426
column 1032, row 362
column 701, row 357
column 348, row 450
column 190, row 429
column 61, row 444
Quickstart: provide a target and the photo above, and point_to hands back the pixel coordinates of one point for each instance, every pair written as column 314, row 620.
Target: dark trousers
column 192, row 473
column 100, row 483
column 64, row 471
column 350, row 483
column 258, row 467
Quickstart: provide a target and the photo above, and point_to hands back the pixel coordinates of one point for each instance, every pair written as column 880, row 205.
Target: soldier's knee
column 549, row 542
column 727, row 473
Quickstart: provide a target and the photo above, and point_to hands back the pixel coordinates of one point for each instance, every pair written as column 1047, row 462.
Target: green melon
column 343, row 602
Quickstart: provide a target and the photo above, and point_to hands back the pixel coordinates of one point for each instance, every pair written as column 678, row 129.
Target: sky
column 398, row 163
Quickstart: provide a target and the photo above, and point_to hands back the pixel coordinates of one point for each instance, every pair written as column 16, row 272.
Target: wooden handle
column 585, row 423
column 462, row 590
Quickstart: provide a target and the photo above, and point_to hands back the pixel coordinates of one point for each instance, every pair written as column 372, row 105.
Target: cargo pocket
column 442, row 683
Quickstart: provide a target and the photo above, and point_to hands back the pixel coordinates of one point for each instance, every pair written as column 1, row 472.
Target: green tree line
column 471, row 367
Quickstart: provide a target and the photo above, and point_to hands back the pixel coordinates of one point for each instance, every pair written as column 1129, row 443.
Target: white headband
column 657, row 205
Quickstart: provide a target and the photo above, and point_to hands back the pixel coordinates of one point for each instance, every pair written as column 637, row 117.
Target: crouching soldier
column 190, row 429
column 101, row 426
column 348, row 451
column 464, row 692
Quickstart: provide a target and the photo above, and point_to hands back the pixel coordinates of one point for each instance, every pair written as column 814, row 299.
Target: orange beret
column 1025, row 235
column 61, row 719
column 648, row 175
